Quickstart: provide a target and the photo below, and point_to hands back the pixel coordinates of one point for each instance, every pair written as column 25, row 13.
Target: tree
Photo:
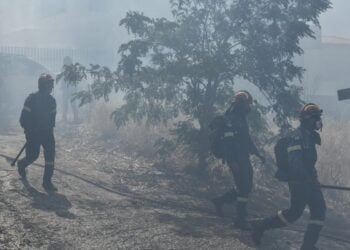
column 187, row 66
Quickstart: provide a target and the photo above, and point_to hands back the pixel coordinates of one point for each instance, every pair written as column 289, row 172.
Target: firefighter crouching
column 302, row 180
column 38, row 121
column 238, row 146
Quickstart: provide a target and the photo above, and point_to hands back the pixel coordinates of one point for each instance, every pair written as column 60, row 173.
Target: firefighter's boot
column 240, row 221
column 261, row 226
column 311, row 237
column 21, row 169
column 47, row 183
column 219, row 202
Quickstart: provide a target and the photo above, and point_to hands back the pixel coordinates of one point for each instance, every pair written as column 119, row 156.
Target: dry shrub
column 139, row 140
column 101, row 122
column 135, row 139
column 334, row 161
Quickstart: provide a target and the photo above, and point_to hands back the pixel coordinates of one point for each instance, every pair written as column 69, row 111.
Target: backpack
column 281, row 156
column 221, row 144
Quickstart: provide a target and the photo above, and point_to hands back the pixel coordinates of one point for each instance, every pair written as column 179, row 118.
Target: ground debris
column 109, row 200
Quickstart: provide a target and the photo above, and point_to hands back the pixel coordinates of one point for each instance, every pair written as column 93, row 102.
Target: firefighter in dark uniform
column 302, row 180
column 238, row 148
column 38, row 121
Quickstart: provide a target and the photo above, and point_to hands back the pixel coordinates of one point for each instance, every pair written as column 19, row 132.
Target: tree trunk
column 207, row 115
column 203, row 149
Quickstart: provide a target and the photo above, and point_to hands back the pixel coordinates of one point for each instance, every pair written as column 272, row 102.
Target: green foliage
column 72, row 74
column 187, row 66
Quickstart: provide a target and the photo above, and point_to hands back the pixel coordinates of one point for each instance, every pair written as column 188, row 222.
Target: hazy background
column 336, row 21
column 89, row 31
column 24, row 19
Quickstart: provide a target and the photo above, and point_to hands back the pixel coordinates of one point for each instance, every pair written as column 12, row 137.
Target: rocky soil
column 110, row 200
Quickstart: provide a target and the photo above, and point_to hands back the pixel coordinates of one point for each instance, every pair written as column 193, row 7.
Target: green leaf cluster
column 185, row 68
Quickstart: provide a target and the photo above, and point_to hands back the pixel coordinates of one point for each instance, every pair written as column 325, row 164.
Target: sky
column 336, row 21
column 22, row 22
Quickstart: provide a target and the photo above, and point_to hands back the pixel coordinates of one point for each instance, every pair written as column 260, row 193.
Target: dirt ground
column 110, row 200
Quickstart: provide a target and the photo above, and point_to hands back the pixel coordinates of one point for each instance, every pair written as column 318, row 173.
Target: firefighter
column 67, row 94
column 238, row 146
column 302, row 180
column 38, row 121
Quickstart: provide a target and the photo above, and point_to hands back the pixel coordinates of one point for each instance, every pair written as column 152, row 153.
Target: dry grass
column 101, row 122
column 135, row 139
column 138, row 140
column 334, row 161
